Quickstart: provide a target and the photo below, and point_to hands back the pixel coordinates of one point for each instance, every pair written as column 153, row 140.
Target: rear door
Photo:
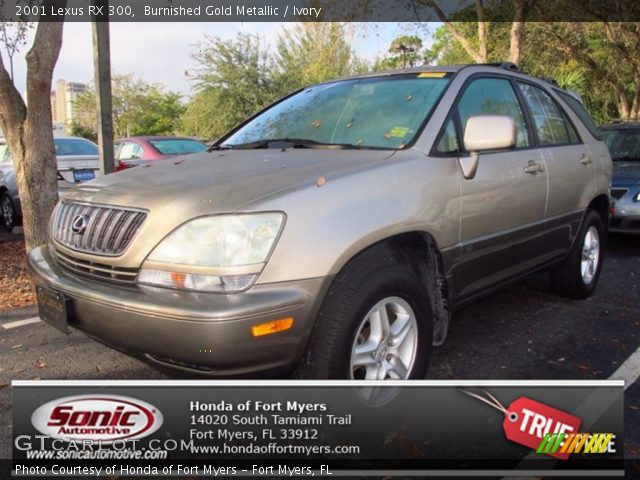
column 503, row 206
column 569, row 164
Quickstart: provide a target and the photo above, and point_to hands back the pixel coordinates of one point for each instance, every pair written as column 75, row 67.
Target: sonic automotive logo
column 103, row 418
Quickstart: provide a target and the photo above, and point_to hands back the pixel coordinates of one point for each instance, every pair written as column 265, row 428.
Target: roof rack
column 550, row 80
column 504, row 65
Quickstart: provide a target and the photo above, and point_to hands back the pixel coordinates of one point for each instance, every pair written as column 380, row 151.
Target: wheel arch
column 601, row 205
column 418, row 250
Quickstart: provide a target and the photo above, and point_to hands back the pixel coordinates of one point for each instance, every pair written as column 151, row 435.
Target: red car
column 134, row 151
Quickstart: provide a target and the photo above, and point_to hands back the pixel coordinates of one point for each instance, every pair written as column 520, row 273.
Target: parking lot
column 523, row 332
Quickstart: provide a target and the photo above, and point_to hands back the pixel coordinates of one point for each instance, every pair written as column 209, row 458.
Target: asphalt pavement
column 522, row 332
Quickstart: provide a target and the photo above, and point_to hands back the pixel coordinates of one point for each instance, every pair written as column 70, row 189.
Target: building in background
column 63, row 99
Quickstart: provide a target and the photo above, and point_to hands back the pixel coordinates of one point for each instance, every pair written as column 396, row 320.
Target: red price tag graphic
column 526, row 421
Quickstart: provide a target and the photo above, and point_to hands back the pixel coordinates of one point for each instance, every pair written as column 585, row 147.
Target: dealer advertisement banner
column 303, row 429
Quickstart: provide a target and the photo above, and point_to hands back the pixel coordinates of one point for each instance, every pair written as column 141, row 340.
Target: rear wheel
column 8, row 212
column 376, row 323
column 577, row 276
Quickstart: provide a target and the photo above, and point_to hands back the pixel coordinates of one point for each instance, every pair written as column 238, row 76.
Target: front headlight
column 222, row 253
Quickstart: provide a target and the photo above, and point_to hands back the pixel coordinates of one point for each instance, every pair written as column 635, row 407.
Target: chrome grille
column 618, row 193
column 95, row 270
column 109, row 230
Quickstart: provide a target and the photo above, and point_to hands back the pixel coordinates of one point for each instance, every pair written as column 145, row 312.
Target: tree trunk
column 635, row 104
column 623, row 104
column 517, row 32
column 482, row 31
column 29, row 132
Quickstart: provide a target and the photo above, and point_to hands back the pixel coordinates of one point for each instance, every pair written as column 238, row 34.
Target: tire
column 578, row 274
column 8, row 212
column 352, row 319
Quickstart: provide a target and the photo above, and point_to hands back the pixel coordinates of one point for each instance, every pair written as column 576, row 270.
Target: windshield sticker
column 432, row 74
column 399, row 132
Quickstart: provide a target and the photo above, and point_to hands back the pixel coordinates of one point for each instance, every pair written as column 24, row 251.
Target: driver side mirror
column 486, row 132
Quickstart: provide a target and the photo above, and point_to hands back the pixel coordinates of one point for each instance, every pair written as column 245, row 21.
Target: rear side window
column 178, row 147
column 130, row 150
column 72, row 146
column 550, row 123
column 582, row 114
column 493, row 96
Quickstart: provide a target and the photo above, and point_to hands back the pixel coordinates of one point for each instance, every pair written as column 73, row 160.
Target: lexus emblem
column 79, row 224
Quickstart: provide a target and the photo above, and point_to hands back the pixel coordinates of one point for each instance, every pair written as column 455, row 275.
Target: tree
column 233, row 80
column 13, row 36
column 607, row 51
column 477, row 48
column 236, row 78
column 139, row 108
column 404, row 51
column 28, row 130
column 314, row 52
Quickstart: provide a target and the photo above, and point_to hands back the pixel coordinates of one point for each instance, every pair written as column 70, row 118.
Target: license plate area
column 54, row 308
column 83, row 175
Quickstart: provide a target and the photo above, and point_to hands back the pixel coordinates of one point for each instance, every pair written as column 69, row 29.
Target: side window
column 493, row 96
column 449, row 140
column 582, row 114
column 550, row 123
column 128, row 151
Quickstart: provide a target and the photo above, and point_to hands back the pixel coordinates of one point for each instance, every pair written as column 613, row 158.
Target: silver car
column 335, row 233
column 77, row 160
column 623, row 140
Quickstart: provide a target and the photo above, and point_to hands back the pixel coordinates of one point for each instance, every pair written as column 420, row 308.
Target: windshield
column 624, row 144
column 178, row 147
column 374, row 112
column 72, row 146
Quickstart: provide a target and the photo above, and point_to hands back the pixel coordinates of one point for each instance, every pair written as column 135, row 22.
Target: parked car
column 335, row 232
column 78, row 162
column 134, row 151
column 623, row 140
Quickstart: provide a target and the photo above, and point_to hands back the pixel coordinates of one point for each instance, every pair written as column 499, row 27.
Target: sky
column 160, row 52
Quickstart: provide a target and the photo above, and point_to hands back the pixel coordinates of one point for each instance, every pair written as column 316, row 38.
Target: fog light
column 274, row 326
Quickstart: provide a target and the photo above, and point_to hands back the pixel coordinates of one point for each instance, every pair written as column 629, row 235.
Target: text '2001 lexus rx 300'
column 335, row 232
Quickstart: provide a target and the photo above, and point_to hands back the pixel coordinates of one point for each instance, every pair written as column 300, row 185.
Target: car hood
column 625, row 173
column 221, row 181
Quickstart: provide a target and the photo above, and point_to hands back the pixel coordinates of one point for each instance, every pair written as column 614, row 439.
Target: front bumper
column 202, row 333
column 628, row 224
column 626, row 211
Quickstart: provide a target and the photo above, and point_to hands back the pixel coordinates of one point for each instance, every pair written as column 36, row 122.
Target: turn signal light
column 274, row 326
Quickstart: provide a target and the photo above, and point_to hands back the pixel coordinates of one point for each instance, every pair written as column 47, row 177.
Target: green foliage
column 78, row 130
column 237, row 78
column 404, row 51
column 139, row 108
column 312, row 53
column 585, row 58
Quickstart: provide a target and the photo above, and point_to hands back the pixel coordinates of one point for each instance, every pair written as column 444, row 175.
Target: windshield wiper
column 286, row 143
column 218, row 147
column 626, row 158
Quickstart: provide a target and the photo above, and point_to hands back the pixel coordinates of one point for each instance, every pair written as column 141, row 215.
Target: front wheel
column 376, row 323
column 577, row 276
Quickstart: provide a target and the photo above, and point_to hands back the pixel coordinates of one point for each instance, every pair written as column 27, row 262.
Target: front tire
column 376, row 323
column 577, row 276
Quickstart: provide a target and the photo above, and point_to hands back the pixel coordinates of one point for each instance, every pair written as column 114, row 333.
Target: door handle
column 585, row 159
column 533, row 167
